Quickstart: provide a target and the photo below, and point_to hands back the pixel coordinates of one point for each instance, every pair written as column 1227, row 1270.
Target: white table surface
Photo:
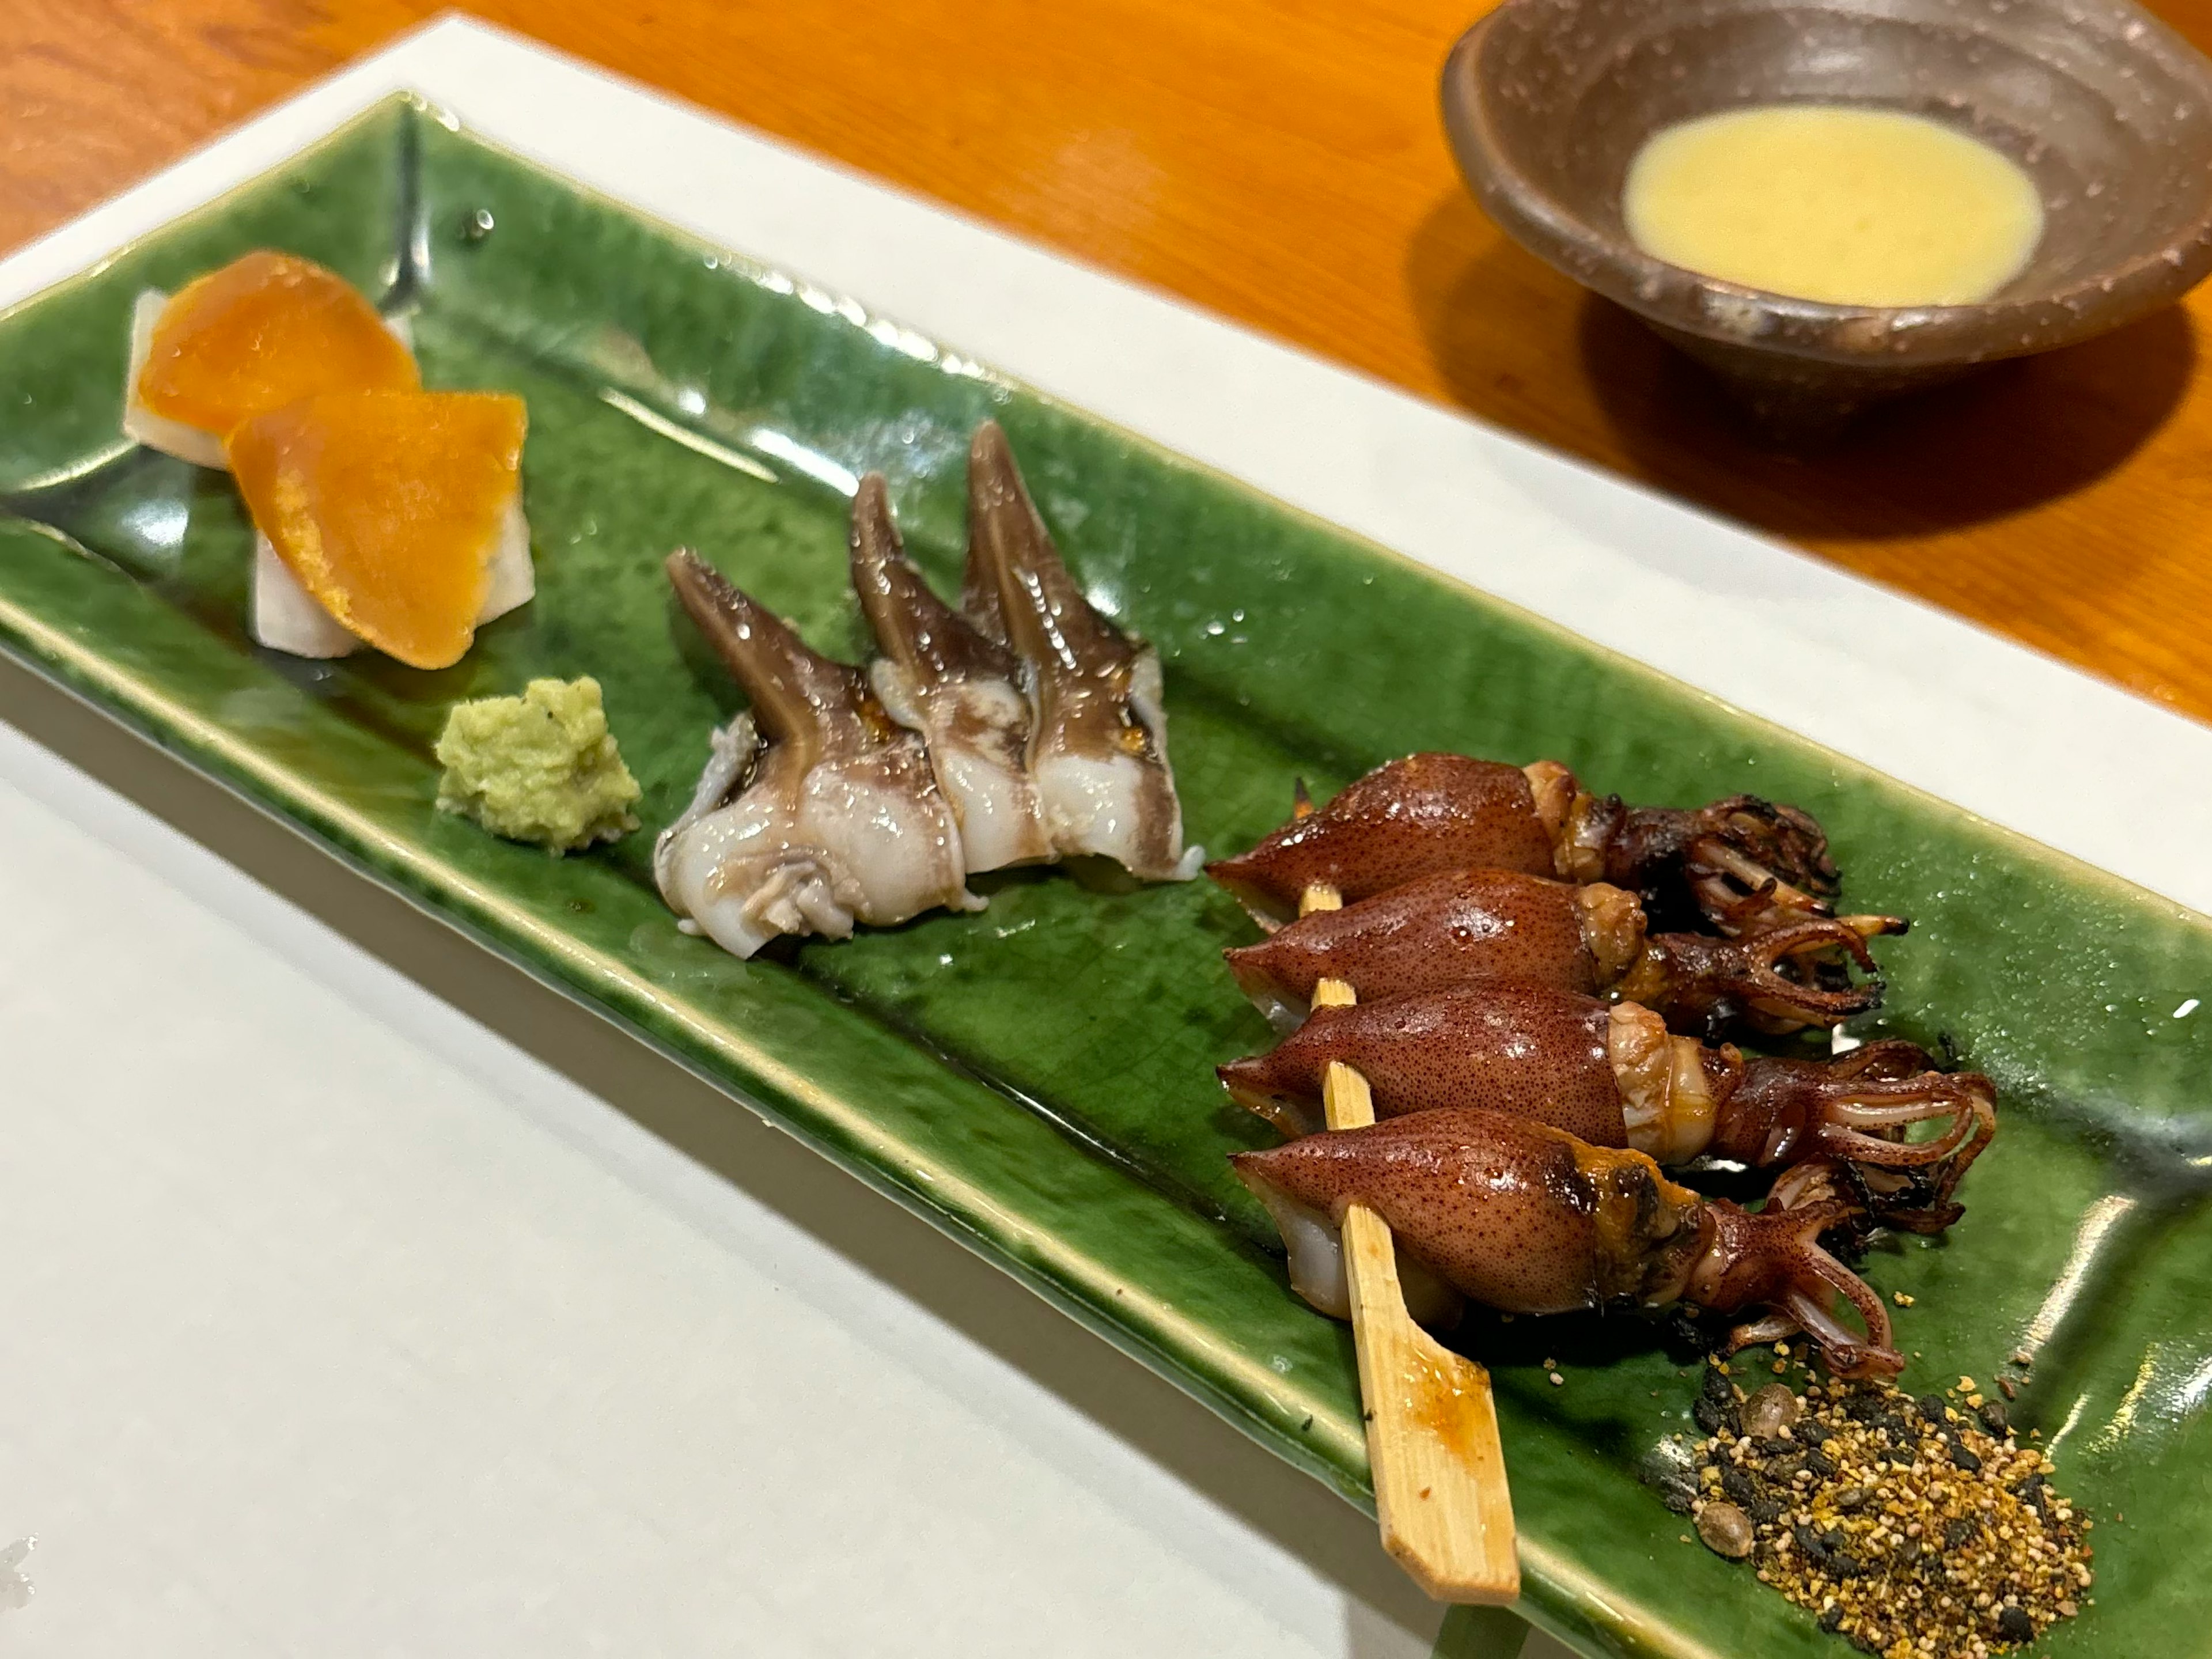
column 365, row 1298
column 346, row 1312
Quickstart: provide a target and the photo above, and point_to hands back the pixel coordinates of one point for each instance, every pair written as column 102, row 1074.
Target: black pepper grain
column 1715, row 1408
column 1740, row 1488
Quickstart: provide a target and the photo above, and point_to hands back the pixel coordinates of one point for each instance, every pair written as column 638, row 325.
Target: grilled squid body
column 1098, row 748
column 942, row 677
column 1468, row 927
column 1611, row 1074
column 1746, row 863
column 1529, row 1219
column 816, row 810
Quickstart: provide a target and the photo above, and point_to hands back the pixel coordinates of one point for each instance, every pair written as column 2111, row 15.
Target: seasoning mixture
column 1918, row 1528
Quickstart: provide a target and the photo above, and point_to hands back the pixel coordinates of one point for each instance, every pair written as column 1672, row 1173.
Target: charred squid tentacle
column 1771, row 981
column 1748, row 863
column 1773, row 1258
column 1739, row 896
column 1925, row 1204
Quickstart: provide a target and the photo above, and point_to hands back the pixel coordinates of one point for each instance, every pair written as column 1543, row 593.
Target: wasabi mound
column 541, row 768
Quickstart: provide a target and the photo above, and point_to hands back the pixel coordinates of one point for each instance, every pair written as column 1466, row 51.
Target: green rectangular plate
column 1038, row 1079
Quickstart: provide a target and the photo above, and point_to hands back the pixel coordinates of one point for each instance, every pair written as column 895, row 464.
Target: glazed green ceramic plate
column 1038, row 1079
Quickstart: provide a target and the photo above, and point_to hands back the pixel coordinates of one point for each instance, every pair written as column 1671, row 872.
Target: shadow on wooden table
column 1498, row 321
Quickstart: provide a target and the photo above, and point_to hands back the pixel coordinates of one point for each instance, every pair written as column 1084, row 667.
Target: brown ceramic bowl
column 2109, row 111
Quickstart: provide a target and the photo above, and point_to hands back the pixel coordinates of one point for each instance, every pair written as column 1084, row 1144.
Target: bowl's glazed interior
column 2109, row 111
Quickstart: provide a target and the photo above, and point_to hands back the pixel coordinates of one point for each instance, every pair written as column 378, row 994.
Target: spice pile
column 1915, row 1528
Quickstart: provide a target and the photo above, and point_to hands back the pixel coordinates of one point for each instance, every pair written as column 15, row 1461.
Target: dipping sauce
column 1830, row 201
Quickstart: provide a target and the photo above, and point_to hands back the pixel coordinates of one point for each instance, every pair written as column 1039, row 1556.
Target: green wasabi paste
column 541, row 768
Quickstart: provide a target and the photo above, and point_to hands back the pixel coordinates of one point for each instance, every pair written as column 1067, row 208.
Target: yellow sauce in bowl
column 1830, row 201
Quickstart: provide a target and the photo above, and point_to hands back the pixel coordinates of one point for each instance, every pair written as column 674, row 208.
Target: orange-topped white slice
column 264, row 331
column 390, row 510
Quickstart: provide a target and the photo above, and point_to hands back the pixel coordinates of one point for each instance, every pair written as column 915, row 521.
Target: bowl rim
column 1895, row 337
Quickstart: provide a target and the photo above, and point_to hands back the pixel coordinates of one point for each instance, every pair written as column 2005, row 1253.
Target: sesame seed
column 1918, row 1529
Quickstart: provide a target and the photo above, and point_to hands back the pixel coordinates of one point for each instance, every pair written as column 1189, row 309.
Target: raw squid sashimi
column 816, row 810
column 939, row 675
column 1098, row 749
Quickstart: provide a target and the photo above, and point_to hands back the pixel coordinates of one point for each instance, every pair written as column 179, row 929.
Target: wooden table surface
column 1282, row 163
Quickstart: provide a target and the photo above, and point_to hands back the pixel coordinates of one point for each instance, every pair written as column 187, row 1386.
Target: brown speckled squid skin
column 1542, row 1054
column 1744, row 862
column 1528, row 1219
column 1451, row 928
column 1470, row 927
column 1414, row 817
column 1530, row 1051
column 1518, row 1217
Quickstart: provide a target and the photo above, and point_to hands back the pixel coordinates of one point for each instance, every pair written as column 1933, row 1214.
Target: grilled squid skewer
column 1747, row 863
column 1097, row 744
column 816, row 810
column 1611, row 1075
column 1440, row 1493
column 1529, row 1219
column 1476, row 926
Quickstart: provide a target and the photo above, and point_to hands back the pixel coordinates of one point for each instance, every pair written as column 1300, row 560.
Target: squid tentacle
column 1775, row 1257
column 1748, row 863
column 1738, row 893
column 1783, row 842
column 1772, row 979
column 1856, row 1111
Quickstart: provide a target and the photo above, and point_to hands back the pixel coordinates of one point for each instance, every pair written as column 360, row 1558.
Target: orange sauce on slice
column 263, row 331
column 386, row 506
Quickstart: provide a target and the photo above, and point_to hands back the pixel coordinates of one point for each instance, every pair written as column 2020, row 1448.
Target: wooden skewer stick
column 1439, row 1471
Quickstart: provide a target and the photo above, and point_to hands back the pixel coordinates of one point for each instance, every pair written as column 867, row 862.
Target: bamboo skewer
column 1439, row 1472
